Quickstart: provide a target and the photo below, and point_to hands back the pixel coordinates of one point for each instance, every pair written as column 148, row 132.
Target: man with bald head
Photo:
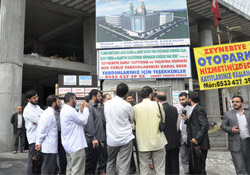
column 18, row 129
column 172, row 148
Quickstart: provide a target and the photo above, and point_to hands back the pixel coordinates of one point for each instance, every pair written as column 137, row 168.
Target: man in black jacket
column 172, row 148
column 18, row 129
column 197, row 134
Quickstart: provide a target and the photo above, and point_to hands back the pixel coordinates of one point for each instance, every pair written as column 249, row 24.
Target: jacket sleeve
column 12, row 118
column 225, row 124
column 90, row 127
column 43, row 128
column 204, row 125
column 81, row 118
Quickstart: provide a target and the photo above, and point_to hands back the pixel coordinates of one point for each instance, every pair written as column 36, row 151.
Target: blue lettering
column 232, row 58
column 217, row 59
column 240, row 56
column 201, row 61
column 247, row 55
column 225, row 58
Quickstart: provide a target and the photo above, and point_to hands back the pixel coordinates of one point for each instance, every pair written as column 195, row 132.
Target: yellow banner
column 223, row 66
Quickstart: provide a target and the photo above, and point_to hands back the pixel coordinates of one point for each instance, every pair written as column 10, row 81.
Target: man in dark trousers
column 172, row 148
column 18, row 130
column 236, row 123
column 197, row 134
column 95, row 135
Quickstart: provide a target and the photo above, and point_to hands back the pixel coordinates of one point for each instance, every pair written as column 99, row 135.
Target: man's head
column 183, row 99
column 54, row 102
column 32, row 97
column 106, row 97
column 121, row 90
column 95, row 96
column 193, row 97
column 147, row 92
column 129, row 98
column 19, row 109
column 237, row 102
column 70, row 99
column 161, row 97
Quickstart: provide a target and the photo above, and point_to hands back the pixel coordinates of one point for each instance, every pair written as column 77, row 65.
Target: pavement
column 219, row 162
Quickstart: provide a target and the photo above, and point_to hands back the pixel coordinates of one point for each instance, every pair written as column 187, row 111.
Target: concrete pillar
column 211, row 97
column 89, row 41
column 11, row 65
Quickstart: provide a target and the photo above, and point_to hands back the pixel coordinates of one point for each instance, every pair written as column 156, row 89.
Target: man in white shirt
column 72, row 134
column 31, row 116
column 119, row 117
column 47, row 136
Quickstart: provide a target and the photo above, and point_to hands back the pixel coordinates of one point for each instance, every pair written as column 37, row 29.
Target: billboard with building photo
column 141, row 23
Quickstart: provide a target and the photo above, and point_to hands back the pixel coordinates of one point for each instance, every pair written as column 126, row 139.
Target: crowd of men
column 88, row 141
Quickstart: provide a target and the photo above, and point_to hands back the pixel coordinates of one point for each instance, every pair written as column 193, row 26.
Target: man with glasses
column 31, row 116
column 236, row 123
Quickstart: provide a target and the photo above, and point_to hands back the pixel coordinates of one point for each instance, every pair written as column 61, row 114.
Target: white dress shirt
column 31, row 115
column 119, row 117
column 243, row 126
column 47, row 134
column 72, row 134
column 19, row 121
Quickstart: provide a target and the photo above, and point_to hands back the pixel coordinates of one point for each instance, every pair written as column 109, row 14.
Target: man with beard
column 197, row 135
column 72, row 133
column 95, row 135
column 236, row 123
column 182, row 129
column 47, row 136
column 31, row 116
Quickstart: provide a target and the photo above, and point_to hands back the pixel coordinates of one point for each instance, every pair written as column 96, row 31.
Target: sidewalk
column 219, row 162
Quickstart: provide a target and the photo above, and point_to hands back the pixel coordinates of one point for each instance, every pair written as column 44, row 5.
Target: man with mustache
column 72, row 134
column 47, row 135
column 236, row 123
column 31, row 116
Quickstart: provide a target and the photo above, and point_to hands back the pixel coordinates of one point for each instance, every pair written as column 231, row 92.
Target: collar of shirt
column 164, row 102
column 243, row 112
column 146, row 99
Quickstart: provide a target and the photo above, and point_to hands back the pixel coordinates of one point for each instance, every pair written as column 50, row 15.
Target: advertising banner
column 63, row 91
column 168, row 62
column 137, row 23
column 223, row 66
column 79, row 92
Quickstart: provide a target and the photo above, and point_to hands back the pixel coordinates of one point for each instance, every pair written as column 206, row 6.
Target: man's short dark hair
column 237, row 96
column 183, row 94
column 50, row 99
column 128, row 95
column 161, row 97
column 93, row 92
column 68, row 96
column 146, row 91
column 30, row 93
column 122, row 89
column 194, row 96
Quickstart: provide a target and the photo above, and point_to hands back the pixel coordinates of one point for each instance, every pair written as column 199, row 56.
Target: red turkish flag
column 216, row 11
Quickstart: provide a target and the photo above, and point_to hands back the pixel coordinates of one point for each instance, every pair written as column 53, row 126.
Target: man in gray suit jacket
column 236, row 123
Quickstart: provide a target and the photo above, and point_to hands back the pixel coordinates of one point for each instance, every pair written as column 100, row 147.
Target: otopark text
column 223, row 66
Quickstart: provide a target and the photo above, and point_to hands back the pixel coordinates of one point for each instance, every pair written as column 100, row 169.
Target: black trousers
column 103, row 157
column 92, row 156
column 32, row 152
column 20, row 134
column 62, row 156
column 202, row 162
column 49, row 164
column 172, row 161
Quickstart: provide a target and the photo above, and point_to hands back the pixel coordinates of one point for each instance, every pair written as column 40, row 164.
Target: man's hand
column 95, row 143
column 184, row 116
column 235, row 129
column 84, row 105
column 194, row 141
column 38, row 147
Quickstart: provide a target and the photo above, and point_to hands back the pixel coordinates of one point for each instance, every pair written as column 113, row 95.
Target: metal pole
column 218, row 33
column 56, row 88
